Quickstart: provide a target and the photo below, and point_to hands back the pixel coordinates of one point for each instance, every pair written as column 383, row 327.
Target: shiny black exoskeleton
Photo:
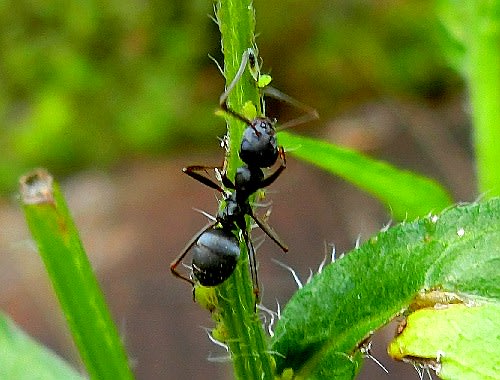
column 216, row 247
column 215, row 256
column 259, row 147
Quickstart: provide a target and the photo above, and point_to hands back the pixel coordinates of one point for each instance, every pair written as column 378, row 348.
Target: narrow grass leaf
column 406, row 194
column 472, row 46
column 72, row 278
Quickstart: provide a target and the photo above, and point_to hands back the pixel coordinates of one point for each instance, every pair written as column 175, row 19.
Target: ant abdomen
column 259, row 147
column 215, row 255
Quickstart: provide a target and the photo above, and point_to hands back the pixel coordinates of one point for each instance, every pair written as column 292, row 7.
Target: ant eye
column 266, row 126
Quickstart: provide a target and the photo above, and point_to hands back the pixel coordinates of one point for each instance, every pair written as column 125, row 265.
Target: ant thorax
column 247, row 180
column 259, row 147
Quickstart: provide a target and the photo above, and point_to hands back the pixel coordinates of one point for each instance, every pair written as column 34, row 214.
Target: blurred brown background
column 115, row 100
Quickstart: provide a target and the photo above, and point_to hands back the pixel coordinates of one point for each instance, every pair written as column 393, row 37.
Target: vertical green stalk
column 236, row 20
column 72, row 278
column 483, row 74
column 242, row 328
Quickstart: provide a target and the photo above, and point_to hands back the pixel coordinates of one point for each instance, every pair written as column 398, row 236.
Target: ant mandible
column 216, row 247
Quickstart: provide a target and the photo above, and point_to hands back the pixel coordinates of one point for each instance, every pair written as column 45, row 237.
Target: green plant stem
column 72, row 278
column 483, row 71
column 236, row 301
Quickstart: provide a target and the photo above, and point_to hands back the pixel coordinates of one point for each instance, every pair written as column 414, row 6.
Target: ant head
column 215, row 256
column 259, row 147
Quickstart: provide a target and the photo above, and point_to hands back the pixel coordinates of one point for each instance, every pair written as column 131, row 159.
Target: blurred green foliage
column 92, row 83
column 87, row 83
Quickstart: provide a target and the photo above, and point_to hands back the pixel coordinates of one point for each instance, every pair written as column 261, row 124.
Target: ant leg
column 223, row 98
column 310, row 113
column 192, row 171
column 272, row 177
column 282, row 156
column 269, row 232
column 266, row 182
column 174, row 264
column 252, row 261
column 227, row 182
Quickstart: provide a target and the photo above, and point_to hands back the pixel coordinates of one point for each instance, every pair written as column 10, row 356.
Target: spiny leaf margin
column 456, row 251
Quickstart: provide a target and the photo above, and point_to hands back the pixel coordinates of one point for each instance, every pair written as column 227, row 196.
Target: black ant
column 216, row 246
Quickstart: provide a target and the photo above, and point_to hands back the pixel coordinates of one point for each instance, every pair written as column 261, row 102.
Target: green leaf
column 456, row 252
column 474, row 31
column 22, row 358
column 72, row 278
column 460, row 341
column 406, row 194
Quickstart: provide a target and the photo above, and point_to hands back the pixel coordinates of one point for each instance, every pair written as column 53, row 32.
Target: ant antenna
column 223, row 98
column 249, row 57
column 263, row 83
column 310, row 113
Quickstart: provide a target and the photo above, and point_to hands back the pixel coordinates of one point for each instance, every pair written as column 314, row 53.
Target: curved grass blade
column 456, row 254
column 407, row 195
column 72, row 278
column 22, row 358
